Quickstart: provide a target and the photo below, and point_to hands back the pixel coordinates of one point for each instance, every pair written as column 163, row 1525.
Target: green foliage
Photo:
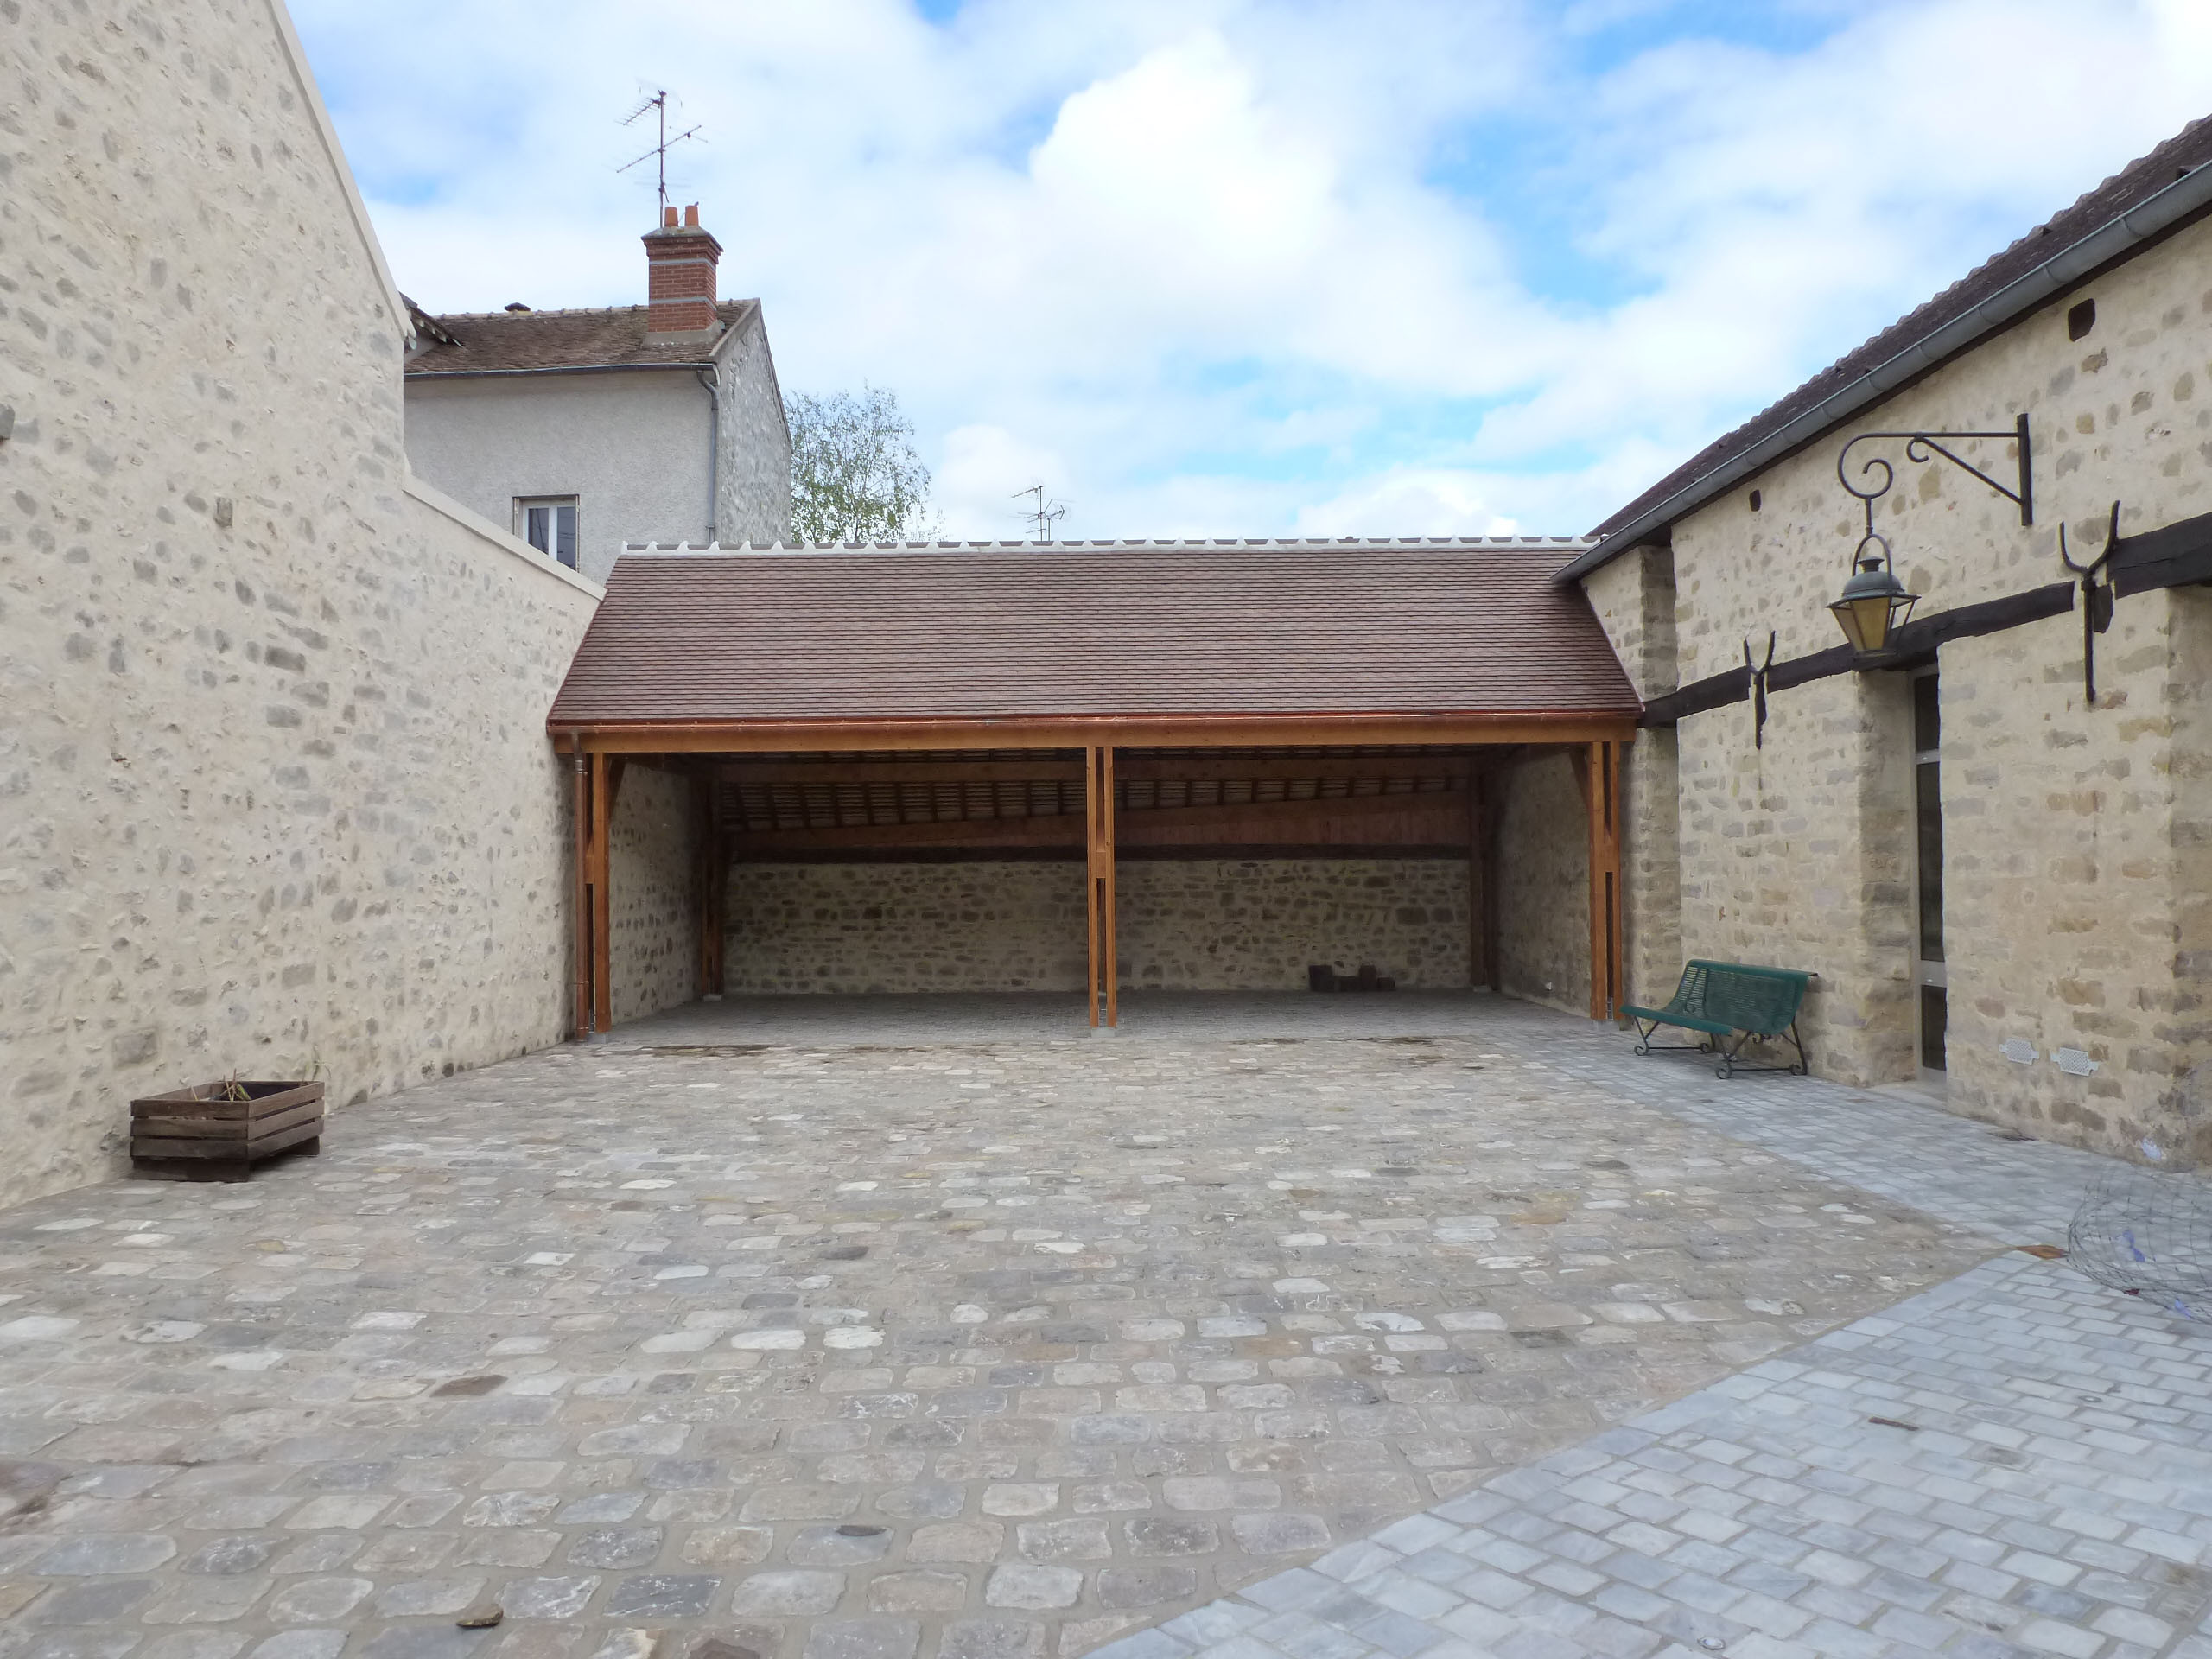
column 854, row 474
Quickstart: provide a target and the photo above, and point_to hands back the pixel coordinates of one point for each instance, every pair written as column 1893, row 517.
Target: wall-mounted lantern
column 1874, row 603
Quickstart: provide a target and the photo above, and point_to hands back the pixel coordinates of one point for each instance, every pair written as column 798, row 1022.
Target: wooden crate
column 201, row 1135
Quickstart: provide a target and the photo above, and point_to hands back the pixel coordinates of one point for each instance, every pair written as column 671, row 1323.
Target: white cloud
column 1232, row 267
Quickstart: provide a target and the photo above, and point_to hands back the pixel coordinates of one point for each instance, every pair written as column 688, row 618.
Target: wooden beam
column 1436, row 818
column 1283, row 768
column 902, row 772
column 1064, row 830
column 1432, row 817
column 1146, row 731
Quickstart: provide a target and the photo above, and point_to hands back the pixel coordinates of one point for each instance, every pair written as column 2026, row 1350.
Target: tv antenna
column 657, row 102
column 1047, row 513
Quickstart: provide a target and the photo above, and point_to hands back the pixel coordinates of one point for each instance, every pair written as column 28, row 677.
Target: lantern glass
column 1873, row 604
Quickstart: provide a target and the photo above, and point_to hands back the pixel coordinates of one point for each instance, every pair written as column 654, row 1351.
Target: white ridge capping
column 1470, row 543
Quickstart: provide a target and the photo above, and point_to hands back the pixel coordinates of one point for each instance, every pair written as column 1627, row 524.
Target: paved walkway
column 892, row 1330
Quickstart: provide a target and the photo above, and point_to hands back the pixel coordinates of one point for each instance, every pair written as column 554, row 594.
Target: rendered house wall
column 2074, row 837
column 755, row 481
column 631, row 447
column 274, row 796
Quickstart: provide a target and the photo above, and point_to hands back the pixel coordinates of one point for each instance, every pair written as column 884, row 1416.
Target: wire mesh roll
column 2148, row 1232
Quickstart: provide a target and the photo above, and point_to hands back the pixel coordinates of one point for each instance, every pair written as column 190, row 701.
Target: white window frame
column 526, row 505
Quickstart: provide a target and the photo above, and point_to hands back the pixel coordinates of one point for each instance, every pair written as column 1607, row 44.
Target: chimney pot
column 691, row 217
column 668, row 217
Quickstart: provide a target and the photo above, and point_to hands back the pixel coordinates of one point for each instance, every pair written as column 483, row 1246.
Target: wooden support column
column 1104, row 992
column 603, row 784
column 1474, row 787
column 583, row 778
column 712, row 882
column 1598, row 770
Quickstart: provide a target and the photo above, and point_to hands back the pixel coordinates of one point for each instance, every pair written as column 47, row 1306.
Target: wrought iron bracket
column 2096, row 601
column 1922, row 447
column 1758, row 674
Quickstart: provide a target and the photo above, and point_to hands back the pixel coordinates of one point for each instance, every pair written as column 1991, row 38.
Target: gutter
column 2161, row 211
column 578, row 368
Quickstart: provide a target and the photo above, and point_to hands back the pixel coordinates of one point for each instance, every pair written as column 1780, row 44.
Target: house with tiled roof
column 581, row 431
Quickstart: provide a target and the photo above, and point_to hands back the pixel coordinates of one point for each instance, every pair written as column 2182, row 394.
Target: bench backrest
column 1761, row 1000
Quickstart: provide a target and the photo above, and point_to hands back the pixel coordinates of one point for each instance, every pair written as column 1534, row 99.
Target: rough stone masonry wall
column 652, row 880
column 1543, row 885
column 2073, row 864
column 1200, row 924
column 273, row 795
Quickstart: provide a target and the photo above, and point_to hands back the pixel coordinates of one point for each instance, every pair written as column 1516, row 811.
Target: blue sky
column 1261, row 267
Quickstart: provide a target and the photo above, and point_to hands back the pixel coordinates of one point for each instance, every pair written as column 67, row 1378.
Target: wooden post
column 606, row 785
column 1599, row 771
column 1474, row 786
column 583, row 772
column 1109, row 900
column 1103, row 986
column 712, row 879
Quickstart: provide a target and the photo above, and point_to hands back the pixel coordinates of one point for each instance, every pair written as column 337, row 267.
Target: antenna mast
column 658, row 104
column 1042, row 517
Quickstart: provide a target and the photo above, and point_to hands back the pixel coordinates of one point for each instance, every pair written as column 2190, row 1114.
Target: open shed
column 1082, row 767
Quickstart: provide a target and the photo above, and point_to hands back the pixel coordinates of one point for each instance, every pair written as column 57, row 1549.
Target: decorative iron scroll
column 1921, row 448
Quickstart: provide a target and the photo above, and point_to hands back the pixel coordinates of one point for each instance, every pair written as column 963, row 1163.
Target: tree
column 854, row 474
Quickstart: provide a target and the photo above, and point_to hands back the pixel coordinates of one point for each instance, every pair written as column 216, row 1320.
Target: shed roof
column 1708, row 472
column 1137, row 629
column 511, row 342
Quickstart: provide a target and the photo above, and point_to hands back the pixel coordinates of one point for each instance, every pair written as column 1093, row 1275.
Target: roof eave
column 2123, row 235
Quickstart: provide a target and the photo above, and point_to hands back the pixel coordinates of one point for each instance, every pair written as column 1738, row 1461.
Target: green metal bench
column 1725, row 1000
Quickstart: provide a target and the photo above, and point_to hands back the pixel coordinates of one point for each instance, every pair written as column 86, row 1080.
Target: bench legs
column 1728, row 1068
column 1729, row 1053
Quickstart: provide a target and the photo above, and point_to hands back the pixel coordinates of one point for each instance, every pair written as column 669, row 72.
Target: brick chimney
column 680, row 262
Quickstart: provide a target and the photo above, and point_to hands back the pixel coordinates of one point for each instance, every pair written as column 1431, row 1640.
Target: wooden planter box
column 196, row 1135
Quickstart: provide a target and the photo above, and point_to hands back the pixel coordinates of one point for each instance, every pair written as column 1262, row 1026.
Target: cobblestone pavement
column 2017, row 1463
column 995, row 1348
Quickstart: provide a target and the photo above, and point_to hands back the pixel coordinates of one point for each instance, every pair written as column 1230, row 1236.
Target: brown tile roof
column 2187, row 151
column 490, row 342
column 1128, row 629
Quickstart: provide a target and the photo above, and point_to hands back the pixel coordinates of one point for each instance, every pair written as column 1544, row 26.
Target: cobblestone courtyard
column 846, row 1344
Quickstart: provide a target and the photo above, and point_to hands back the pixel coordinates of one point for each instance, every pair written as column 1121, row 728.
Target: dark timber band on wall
column 1267, row 701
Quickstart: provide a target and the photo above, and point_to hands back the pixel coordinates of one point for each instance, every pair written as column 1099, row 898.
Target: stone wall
column 2074, row 862
column 274, row 791
column 653, row 940
column 1200, row 925
column 1211, row 924
column 1543, row 885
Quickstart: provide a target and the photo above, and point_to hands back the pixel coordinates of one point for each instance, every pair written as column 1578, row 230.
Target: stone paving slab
column 991, row 1350
column 2015, row 1463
